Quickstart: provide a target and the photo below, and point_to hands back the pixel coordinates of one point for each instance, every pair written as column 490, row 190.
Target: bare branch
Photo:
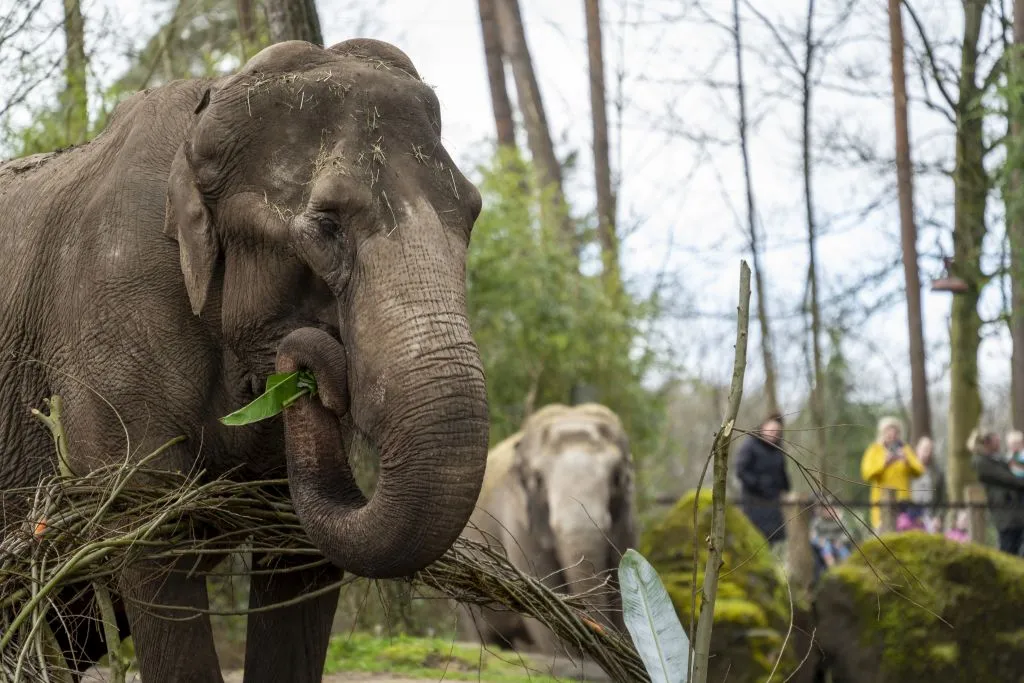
column 930, row 52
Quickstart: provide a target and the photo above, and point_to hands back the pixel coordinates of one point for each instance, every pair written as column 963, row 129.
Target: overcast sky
column 684, row 200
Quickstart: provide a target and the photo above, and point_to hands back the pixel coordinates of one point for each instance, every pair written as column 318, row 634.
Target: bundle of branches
column 85, row 530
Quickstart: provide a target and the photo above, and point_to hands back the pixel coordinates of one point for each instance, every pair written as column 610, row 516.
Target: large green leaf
column 651, row 620
column 283, row 389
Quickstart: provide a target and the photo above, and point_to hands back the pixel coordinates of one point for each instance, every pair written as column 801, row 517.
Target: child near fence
column 828, row 535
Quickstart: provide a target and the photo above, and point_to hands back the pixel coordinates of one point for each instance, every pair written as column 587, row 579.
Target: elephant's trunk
column 429, row 423
column 584, row 557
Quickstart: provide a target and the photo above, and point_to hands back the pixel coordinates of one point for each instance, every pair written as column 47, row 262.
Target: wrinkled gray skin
column 305, row 205
column 559, row 500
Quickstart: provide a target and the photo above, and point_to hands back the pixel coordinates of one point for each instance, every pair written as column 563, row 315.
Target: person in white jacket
column 928, row 491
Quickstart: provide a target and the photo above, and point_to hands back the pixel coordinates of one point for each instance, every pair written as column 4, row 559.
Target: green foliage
column 51, row 129
column 752, row 610
column 651, row 619
column 283, row 389
column 921, row 593
column 199, row 38
column 429, row 658
column 851, row 424
column 541, row 325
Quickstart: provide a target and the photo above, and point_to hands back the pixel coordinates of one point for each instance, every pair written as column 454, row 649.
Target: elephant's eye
column 328, row 224
column 618, row 478
column 530, row 479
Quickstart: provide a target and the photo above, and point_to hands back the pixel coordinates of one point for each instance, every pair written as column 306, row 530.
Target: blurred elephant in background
column 558, row 497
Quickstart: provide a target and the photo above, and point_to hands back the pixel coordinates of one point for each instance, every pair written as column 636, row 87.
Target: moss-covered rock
column 921, row 608
column 752, row 612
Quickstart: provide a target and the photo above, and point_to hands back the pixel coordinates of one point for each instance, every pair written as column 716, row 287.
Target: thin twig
column 701, row 649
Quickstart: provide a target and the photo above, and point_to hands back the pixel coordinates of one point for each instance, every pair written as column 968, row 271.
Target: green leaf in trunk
column 283, row 389
column 651, row 620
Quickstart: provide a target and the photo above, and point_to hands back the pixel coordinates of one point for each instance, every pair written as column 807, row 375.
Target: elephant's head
column 321, row 222
column 576, row 469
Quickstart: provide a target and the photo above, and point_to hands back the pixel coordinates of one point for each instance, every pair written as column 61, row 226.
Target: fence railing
column 799, row 508
column 975, row 503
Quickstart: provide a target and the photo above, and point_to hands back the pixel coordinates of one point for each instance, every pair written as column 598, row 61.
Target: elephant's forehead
column 575, row 428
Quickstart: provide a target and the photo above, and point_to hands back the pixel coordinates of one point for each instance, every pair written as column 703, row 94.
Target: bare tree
column 818, row 398
column 971, row 188
column 75, row 97
column 491, row 34
column 25, row 60
column 538, row 135
column 753, row 238
column 1015, row 214
column 606, row 223
column 921, row 411
column 246, row 27
column 294, row 20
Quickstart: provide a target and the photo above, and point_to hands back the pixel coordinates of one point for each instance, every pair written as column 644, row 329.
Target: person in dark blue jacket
column 761, row 470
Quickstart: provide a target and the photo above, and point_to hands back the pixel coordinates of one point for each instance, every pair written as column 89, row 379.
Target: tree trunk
column 491, row 33
column 818, row 398
column 75, row 97
column 1015, row 216
column 922, row 421
column 246, row 28
column 755, row 247
column 294, row 20
column 602, row 165
column 971, row 187
column 538, row 135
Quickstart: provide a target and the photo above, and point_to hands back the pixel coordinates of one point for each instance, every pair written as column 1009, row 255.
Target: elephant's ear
column 188, row 220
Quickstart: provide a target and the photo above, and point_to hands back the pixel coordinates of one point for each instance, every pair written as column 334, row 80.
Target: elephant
column 558, row 500
column 300, row 213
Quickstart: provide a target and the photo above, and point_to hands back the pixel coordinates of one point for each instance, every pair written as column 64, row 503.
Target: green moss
column 427, row 658
column 752, row 612
column 944, row 652
column 923, row 593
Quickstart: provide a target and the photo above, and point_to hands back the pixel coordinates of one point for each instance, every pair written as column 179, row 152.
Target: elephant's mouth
column 356, row 444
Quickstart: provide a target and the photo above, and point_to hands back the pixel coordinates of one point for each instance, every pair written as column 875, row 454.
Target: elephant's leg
column 542, row 640
column 472, row 627
column 289, row 643
column 171, row 645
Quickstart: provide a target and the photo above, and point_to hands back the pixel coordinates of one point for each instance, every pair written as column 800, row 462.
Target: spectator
column 829, row 533
column 889, row 464
column 1002, row 489
column 928, row 492
column 761, row 470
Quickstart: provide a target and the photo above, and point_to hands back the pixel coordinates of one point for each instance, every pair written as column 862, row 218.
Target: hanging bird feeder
column 949, row 283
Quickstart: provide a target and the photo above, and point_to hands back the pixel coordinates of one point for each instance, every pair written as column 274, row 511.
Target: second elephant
column 558, row 496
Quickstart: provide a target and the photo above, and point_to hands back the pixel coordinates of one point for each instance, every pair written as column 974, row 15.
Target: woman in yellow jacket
column 889, row 463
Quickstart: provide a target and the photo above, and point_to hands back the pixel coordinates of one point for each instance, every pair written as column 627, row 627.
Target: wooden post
column 977, row 515
column 888, row 505
column 797, row 509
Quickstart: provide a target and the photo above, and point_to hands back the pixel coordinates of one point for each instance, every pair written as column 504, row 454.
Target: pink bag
column 905, row 523
column 958, row 535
